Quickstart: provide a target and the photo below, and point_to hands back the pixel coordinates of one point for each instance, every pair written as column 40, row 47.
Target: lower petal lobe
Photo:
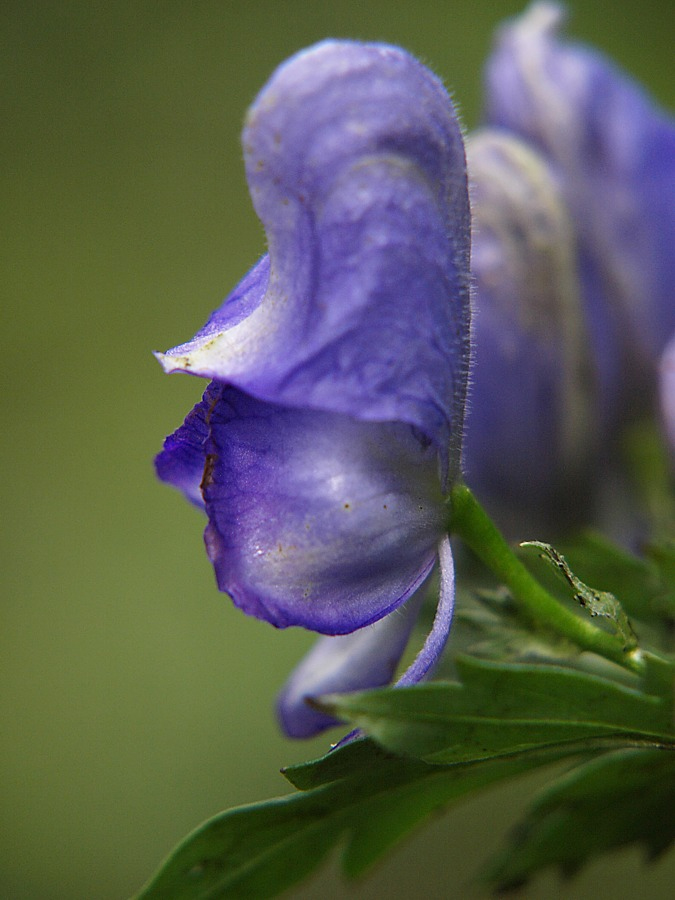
column 349, row 662
column 317, row 519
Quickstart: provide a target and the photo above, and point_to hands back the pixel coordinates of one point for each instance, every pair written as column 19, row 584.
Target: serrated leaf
column 261, row 850
column 505, row 709
column 347, row 761
column 597, row 602
column 252, row 851
column 365, row 798
column 614, row 800
column 645, row 586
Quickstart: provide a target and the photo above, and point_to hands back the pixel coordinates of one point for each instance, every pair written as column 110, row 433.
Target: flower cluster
column 332, row 426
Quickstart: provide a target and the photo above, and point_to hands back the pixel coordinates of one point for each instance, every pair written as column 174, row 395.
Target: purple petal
column 181, row 460
column 534, row 419
column 239, row 306
column 668, row 391
column 365, row 659
column 438, row 636
column 316, row 519
column 615, row 154
column 356, row 167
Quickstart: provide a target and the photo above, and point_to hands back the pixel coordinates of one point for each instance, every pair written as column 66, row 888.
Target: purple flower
column 573, row 256
column 530, row 426
column 333, row 419
column 613, row 152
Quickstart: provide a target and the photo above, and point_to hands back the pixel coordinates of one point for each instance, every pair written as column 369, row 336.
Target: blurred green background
column 135, row 700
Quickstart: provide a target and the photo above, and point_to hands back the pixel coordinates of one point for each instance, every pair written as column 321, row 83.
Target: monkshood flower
column 332, row 423
column 530, row 427
column 573, row 256
column 613, row 151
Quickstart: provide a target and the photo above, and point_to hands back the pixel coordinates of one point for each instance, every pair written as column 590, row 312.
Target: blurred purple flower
column 332, row 424
column 530, row 427
column 613, row 151
column 574, row 261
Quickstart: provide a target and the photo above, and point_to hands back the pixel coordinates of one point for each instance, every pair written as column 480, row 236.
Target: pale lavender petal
column 356, row 167
column 668, row 391
column 428, row 657
column 364, row 659
column 615, row 154
column 241, row 303
column 316, row 519
column 367, row 658
column 437, row 638
column 538, row 393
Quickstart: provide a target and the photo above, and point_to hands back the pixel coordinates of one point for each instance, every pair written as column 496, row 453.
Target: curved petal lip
column 340, row 609
column 181, row 461
column 238, row 307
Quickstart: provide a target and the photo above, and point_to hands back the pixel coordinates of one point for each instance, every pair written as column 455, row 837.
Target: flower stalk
column 534, row 603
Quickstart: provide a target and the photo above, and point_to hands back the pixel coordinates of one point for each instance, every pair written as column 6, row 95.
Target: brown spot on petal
column 207, row 476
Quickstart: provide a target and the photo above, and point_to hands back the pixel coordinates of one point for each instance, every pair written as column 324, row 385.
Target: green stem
column 471, row 522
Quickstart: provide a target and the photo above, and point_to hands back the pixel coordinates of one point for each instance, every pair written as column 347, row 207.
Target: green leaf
column 375, row 800
column 487, row 625
column 346, row 761
column 662, row 554
column 255, row 851
column 388, row 816
column 597, row 602
column 645, row 586
column 617, row 799
column 500, row 722
column 648, row 461
column 505, row 709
